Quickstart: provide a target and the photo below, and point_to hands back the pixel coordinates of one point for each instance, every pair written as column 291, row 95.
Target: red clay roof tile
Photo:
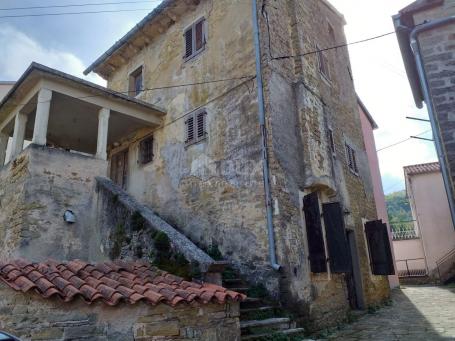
column 110, row 283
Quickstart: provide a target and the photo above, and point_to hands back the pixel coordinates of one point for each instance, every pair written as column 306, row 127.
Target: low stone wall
column 30, row 317
column 36, row 189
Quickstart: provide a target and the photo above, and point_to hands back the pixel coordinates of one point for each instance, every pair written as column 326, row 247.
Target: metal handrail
column 445, row 257
column 412, row 272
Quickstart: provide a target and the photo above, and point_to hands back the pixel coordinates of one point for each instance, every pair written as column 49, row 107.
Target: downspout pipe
column 430, row 105
column 265, row 158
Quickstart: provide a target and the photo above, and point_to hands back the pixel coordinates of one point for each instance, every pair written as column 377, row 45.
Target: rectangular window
column 323, row 63
column 196, row 127
column 351, row 159
column 146, row 150
column 331, row 141
column 195, row 39
column 136, row 85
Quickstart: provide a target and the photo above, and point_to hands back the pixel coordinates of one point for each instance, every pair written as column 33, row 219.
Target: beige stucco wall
column 30, row 317
column 431, row 210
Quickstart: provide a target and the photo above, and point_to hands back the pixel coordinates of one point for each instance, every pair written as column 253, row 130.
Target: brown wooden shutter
column 190, row 129
column 188, row 42
column 201, row 125
column 337, row 243
column 314, row 233
column 379, row 248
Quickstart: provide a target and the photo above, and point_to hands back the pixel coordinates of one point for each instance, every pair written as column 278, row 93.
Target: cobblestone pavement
column 417, row 313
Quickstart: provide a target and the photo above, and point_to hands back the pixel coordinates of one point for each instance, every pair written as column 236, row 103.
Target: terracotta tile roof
column 111, row 283
column 422, row 168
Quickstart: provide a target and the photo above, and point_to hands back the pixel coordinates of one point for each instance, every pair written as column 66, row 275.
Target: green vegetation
column 118, row 238
column 214, row 252
column 257, row 291
column 398, row 207
column 137, row 221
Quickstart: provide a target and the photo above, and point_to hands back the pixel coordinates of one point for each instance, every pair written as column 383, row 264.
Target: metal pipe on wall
column 265, row 158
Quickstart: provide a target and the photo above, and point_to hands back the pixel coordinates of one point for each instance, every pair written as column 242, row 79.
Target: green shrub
column 214, row 252
column 137, row 221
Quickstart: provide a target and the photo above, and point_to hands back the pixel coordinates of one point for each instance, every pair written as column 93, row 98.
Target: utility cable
column 402, row 141
column 78, row 5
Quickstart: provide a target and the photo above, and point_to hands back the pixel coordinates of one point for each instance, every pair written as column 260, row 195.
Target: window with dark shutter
column 189, row 42
column 316, row 248
column 196, row 127
column 146, row 150
column 136, row 85
column 351, row 159
column 379, row 248
column 195, row 39
column 337, row 243
column 331, row 141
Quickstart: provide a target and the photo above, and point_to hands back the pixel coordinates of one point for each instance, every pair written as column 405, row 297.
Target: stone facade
column 213, row 191
column 438, row 52
column 30, row 317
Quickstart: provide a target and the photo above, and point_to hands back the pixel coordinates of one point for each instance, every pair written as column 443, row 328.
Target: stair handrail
column 447, row 256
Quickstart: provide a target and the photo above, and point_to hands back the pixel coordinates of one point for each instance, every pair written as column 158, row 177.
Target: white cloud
column 18, row 51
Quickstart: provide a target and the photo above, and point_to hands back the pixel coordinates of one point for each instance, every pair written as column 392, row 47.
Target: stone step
column 250, row 310
column 242, row 290
column 288, row 332
column 232, row 281
column 272, row 323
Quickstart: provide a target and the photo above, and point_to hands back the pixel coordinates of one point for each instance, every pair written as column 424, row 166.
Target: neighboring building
column 368, row 127
column 188, row 149
column 425, row 31
column 4, row 88
column 426, row 246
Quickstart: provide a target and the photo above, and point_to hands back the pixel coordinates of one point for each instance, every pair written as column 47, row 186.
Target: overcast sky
column 70, row 43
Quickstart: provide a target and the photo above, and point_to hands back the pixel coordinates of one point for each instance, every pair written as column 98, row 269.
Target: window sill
column 192, row 143
column 194, row 55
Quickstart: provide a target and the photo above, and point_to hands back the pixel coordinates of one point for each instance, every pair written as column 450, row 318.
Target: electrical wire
column 402, row 141
column 74, row 13
column 78, row 5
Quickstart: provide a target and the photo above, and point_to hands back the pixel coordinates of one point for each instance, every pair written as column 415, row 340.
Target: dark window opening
column 331, row 141
column 323, row 63
column 316, row 248
column 136, row 85
column 146, row 150
column 351, row 159
column 196, row 127
column 195, row 39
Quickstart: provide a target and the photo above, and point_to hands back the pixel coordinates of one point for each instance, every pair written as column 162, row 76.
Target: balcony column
column 42, row 117
column 3, row 145
column 20, row 123
column 103, row 129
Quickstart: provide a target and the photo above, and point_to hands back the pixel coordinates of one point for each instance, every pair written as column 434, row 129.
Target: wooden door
column 119, row 168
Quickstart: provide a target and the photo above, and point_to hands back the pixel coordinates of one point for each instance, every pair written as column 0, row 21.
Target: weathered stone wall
column 35, row 190
column 211, row 191
column 438, row 52
column 301, row 105
column 31, row 317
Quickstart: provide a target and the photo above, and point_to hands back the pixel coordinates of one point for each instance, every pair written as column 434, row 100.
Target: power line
column 402, row 141
column 78, row 5
column 153, row 89
column 74, row 13
column 335, row 47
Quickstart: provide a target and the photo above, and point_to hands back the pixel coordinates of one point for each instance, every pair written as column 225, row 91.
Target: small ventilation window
column 136, row 84
column 195, row 39
column 351, row 159
column 331, row 141
column 323, row 62
column 146, row 150
column 196, row 129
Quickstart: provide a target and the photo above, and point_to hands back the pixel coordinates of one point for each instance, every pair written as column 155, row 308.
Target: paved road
column 417, row 314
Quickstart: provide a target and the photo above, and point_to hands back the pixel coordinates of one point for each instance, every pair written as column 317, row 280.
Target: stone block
column 47, row 334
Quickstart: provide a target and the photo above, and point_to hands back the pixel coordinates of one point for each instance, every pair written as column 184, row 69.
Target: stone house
column 425, row 31
column 275, row 177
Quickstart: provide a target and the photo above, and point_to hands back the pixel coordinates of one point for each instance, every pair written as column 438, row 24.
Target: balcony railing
column 403, row 230
column 411, row 267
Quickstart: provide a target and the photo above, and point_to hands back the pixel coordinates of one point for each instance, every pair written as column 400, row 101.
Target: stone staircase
column 261, row 319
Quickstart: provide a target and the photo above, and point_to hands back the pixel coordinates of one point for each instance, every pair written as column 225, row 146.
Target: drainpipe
column 265, row 158
column 430, row 105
